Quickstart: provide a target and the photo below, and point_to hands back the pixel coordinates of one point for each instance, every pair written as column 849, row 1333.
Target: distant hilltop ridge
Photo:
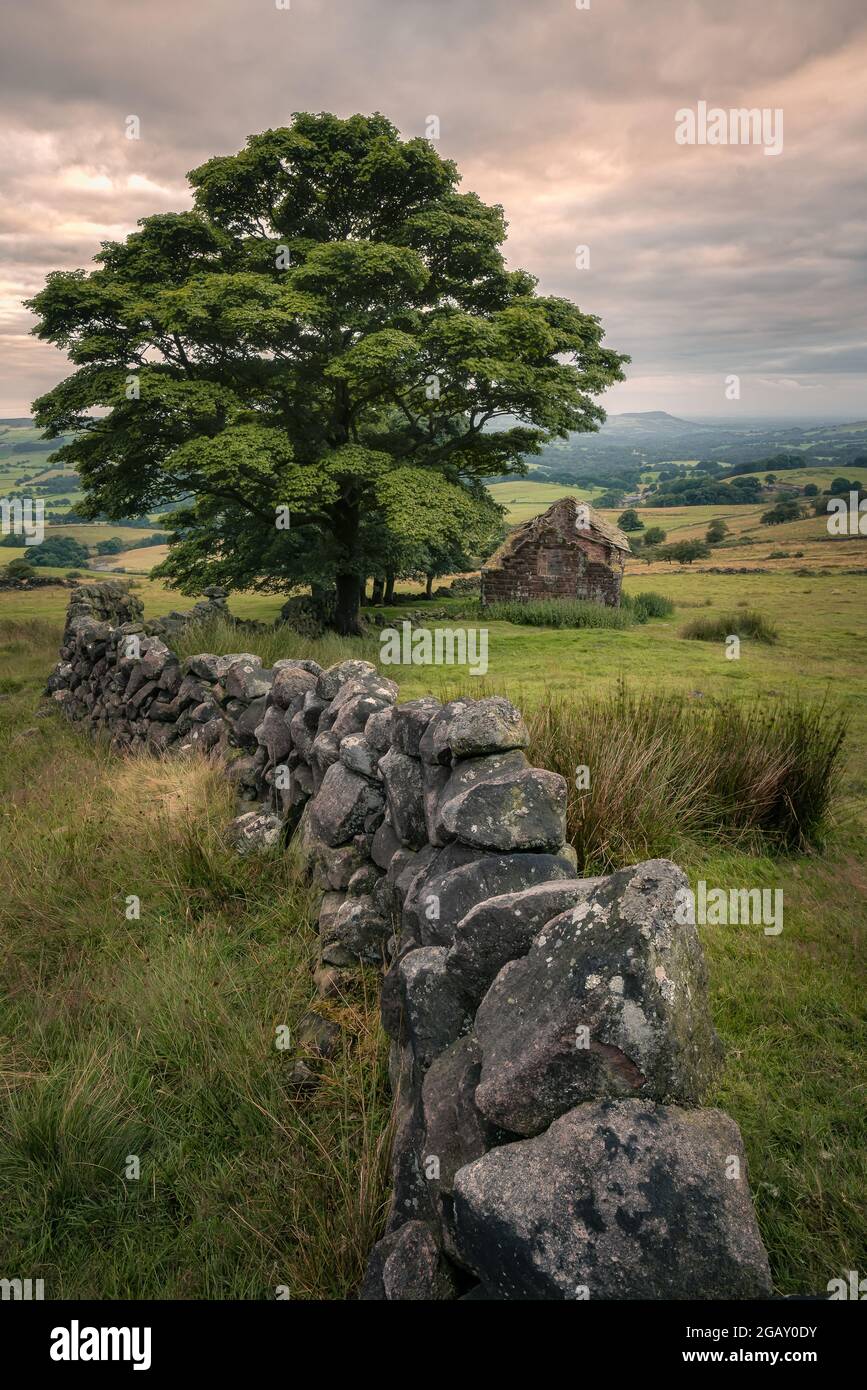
column 647, row 415
column 630, row 418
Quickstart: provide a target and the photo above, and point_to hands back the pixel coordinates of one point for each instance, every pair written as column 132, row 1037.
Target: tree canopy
column 320, row 362
column 58, row 551
column 683, row 551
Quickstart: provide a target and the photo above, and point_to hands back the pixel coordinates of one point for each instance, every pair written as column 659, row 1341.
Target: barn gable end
column 567, row 552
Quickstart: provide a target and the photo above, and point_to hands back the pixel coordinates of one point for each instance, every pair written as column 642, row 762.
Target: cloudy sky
column 705, row 260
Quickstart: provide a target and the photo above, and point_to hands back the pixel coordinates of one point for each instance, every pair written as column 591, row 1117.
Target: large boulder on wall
column 619, row 1200
column 611, row 999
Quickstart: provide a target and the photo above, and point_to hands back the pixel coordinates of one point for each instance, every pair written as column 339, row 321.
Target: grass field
column 820, row 474
column 227, row 937
column 524, row 498
column 156, row 1038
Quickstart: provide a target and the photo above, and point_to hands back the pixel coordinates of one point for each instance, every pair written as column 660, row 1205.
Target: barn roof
column 562, row 517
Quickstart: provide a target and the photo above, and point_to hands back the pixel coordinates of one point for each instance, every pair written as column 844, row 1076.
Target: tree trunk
column 346, row 617
column 349, row 584
column 389, row 588
column 378, row 590
column 429, row 587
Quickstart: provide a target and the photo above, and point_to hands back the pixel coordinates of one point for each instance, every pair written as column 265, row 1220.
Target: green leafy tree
column 716, row 532
column 457, row 540
column 19, row 569
column 684, row 551
column 324, row 340
column 654, row 535
column 630, row 520
column 783, row 511
column 113, row 546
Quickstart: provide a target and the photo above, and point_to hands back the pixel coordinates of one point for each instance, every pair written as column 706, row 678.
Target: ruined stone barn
column 567, row 552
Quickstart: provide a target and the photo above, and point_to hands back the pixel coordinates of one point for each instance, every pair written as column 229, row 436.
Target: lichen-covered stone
column 357, row 754
column 459, row 877
column 245, row 680
column 330, row 680
column 619, row 1200
column 521, row 810
column 502, row 928
column 377, row 730
column 407, row 1266
column 345, row 805
column 453, row 782
column 385, row 845
column 290, row 685
column 434, row 744
column 455, row 1130
column 433, row 1012
column 491, row 725
column 610, row 1000
column 254, row 832
column 352, row 716
column 410, row 722
column 359, row 928
column 273, row 733
column 405, row 795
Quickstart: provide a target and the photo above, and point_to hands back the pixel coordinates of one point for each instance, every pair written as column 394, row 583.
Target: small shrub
column 787, row 510
column 650, row 604
column 749, row 623
column 19, row 569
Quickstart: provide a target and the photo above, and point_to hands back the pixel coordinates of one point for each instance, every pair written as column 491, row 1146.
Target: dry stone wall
column 551, row 1041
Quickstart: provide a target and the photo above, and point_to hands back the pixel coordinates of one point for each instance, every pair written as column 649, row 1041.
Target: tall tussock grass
column 578, row 612
column 664, row 770
column 747, row 622
column 558, row 612
column 221, row 636
column 647, row 604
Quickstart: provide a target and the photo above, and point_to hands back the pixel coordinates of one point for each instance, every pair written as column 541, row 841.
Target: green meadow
column 156, row 1035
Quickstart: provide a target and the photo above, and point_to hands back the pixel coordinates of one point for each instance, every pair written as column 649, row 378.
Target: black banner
column 81, row 1339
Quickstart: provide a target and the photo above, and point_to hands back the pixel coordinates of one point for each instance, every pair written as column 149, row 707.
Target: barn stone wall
column 582, row 568
column 551, row 1041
